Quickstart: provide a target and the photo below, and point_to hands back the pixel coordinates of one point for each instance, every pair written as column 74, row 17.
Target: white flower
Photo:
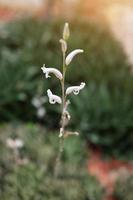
column 41, row 112
column 19, row 143
column 53, row 98
column 75, row 89
column 14, row 143
column 38, row 101
column 66, row 31
column 72, row 55
column 47, row 71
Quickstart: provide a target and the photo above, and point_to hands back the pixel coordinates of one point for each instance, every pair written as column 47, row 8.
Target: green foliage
column 106, row 118
column 23, row 46
column 124, row 188
column 32, row 178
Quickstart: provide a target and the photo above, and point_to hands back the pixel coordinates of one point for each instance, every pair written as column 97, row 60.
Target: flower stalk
column 65, row 116
column 62, row 129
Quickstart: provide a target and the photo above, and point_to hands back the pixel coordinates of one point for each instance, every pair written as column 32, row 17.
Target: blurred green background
column 102, row 113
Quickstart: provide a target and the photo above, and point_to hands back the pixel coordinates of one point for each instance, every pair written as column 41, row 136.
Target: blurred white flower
column 71, row 55
column 54, row 71
column 38, row 101
column 14, row 143
column 66, row 31
column 19, row 143
column 53, row 98
column 41, row 112
column 75, row 89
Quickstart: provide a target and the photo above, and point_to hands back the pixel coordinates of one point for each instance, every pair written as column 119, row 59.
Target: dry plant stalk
column 65, row 116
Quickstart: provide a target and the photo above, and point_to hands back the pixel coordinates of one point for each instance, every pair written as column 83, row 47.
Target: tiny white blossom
column 14, row 143
column 75, row 89
column 53, row 98
column 37, row 101
column 71, row 55
column 41, row 112
column 54, row 71
column 19, row 143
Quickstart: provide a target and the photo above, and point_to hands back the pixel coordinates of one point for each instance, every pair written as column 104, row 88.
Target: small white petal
column 54, row 71
column 19, row 143
column 47, row 74
column 38, row 101
column 53, row 98
column 72, row 55
column 75, row 89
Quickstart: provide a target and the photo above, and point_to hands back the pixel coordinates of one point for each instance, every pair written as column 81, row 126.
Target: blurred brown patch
column 107, row 171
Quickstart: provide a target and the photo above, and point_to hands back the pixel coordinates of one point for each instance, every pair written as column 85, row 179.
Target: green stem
column 58, row 159
column 61, row 140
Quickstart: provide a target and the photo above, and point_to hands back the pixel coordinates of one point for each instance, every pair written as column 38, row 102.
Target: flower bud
column 63, row 45
column 66, row 32
column 72, row 55
column 61, row 132
column 69, row 133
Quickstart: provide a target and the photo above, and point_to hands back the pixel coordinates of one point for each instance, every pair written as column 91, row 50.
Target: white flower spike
column 47, row 71
column 53, row 98
column 63, row 100
column 75, row 89
column 72, row 55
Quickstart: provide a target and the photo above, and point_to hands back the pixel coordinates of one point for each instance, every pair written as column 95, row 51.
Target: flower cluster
column 14, row 144
column 67, row 59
